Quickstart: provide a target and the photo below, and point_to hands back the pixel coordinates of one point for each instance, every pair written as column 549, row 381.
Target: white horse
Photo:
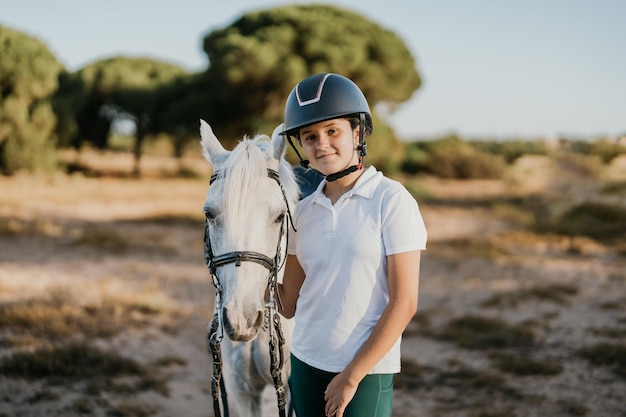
column 248, row 212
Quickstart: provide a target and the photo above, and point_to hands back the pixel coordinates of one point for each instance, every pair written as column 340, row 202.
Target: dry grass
column 610, row 355
column 523, row 365
column 93, row 199
column 72, row 360
column 555, row 293
column 461, row 387
column 476, row 332
column 58, row 331
column 110, row 267
column 105, row 312
column 469, row 247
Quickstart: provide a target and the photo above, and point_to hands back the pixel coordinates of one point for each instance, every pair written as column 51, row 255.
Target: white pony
column 248, row 211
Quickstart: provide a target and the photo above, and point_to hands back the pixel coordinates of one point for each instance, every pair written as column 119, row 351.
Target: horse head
column 246, row 225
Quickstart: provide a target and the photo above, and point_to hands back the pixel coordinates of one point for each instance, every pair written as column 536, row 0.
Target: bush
column 415, row 159
column 68, row 361
column 606, row 354
column 384, row 149
column 512, row 150
column 522, row 365
column 556, row 293
column 476, row 333
column 605, row 150
column 592, row 219
column 452, row 157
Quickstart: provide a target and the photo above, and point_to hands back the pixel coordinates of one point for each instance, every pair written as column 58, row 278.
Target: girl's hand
column 338, row 395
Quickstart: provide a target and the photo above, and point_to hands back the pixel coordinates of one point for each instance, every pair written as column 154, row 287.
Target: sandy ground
column 143, row 238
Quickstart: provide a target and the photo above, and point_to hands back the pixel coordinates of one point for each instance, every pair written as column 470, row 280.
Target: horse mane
column 243, row 172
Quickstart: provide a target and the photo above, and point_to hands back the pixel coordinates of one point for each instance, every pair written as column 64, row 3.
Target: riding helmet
column 323, row 97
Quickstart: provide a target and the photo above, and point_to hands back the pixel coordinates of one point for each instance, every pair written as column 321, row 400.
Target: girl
column 352, row 274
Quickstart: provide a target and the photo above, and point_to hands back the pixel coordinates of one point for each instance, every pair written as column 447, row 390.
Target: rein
column 215, row 331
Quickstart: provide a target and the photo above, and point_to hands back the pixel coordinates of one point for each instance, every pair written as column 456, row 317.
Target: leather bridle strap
column 276, row 340
column 238, row 257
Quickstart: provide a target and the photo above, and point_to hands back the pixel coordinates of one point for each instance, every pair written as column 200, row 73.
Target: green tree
column 255, row 62
column 68, row 100
column 179, row 106
column 122, row 87
column 28, row 77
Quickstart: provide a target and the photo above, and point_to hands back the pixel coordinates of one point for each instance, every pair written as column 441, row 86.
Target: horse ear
column 278, row 142
column 212, row 149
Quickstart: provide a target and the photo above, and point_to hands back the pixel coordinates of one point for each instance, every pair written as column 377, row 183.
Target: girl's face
column 330, row 146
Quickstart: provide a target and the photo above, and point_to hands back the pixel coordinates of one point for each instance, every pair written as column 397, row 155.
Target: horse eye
column 210, row 216
column 280, row 218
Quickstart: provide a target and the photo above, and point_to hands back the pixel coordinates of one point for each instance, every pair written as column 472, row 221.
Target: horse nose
column 244, row 329
column 259, row 320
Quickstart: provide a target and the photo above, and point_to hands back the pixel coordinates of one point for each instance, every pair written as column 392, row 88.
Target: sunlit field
column 104, row 295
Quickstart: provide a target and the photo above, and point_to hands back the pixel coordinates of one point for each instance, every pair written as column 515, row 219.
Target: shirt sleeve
column 403, row 227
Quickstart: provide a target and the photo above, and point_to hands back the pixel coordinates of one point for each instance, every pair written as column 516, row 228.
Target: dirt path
column 142, row 240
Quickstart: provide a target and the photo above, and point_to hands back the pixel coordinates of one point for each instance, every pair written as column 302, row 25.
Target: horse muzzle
column 242, row 327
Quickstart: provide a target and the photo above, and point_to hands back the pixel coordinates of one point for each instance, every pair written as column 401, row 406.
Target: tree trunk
column 142, row 128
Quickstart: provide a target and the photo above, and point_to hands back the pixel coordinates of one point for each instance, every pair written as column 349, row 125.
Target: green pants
column 373, row 397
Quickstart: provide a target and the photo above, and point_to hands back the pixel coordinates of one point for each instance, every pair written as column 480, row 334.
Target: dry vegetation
column 104, row 296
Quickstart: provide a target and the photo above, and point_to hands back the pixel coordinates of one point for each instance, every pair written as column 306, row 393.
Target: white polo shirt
column 342, row 249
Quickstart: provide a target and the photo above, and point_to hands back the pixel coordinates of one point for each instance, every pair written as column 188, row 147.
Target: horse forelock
column 244, row 172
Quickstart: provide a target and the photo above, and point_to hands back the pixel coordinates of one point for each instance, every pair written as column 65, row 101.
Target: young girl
column 352, row 273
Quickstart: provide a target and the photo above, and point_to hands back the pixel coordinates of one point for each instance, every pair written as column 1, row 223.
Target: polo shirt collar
column 365, row 186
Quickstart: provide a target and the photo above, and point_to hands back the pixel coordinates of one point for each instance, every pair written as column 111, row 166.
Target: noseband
column 277, row 340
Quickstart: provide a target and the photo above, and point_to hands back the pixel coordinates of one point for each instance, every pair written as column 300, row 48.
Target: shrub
column 71, row 360
column 415, row 159
column 57, row 319
column 605, row 150
column 467, row 379
column 592, row 219
column 513, row 149
column 78, row 360
column 607, row 354
column 556, row 293
column 525, row 366
column 475, row 332
column 615, row 187
column 452, row 157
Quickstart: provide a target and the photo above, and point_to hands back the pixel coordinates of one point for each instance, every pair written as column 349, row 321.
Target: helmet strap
column 362, row 144
column 362, row 148
column 341, row 174
column 304, row 163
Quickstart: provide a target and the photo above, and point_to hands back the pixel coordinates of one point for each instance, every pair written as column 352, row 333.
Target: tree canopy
column 120, row 86
column 253, row 65
column 28, row 77
column 255, row 62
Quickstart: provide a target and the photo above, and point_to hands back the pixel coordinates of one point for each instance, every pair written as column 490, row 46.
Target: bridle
column 215, row 331
column 273, row 265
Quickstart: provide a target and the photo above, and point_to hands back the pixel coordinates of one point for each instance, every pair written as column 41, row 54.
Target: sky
column 490, row 69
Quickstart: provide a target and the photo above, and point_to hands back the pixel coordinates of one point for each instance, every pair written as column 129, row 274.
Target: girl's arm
column 403, row 279
column 289, row 290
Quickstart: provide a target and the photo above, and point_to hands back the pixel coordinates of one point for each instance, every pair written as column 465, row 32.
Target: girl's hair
column 354, row 123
